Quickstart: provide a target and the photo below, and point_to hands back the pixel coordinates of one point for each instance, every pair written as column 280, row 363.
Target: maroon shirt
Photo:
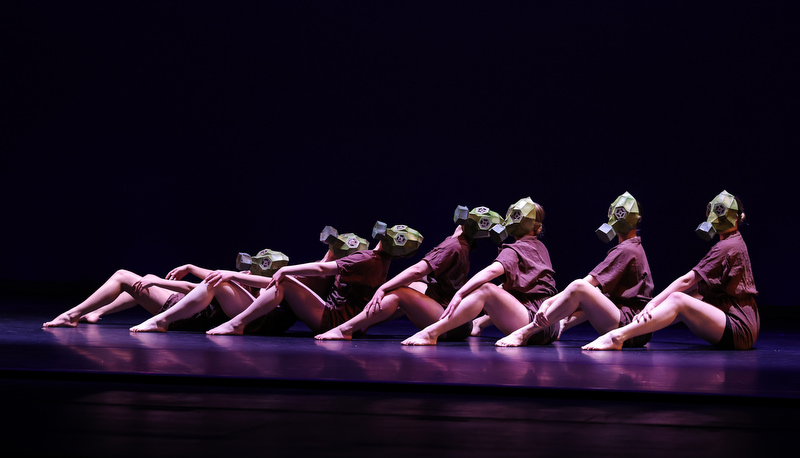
column 529, row 278
column 528, row 270
column 726, row 282
column 449, row 263
column 625, row 276
column 360, row 274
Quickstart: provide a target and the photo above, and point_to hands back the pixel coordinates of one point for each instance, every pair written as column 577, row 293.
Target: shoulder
column 358, row 257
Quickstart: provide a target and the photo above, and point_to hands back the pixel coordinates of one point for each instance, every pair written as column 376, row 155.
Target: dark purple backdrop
column 144, row 135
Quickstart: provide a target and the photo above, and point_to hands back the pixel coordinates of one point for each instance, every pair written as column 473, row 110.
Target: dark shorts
column 626, row 315
column 726, row 342
column 742, row 322
column 336, row 313
column 274, row 323
column 547, row 335
column 210, row 317
column 457, row 334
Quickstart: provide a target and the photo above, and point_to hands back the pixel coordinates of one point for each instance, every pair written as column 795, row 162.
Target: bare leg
column 121, row 282
column 232, row 297
column 345, row 331
column 580, row 294
column 304, row 303
column 123, row 302
column 704, row 320
column 479, row 324
column 571, row 321
column 505, row 311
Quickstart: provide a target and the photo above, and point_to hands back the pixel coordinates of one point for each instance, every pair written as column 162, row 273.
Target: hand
column 276, row 277
column 218, row 276
column 140, row 286
column 645, row 315
column 540, row 319
column 374, row 305
column 451, row 307
column 178, row 272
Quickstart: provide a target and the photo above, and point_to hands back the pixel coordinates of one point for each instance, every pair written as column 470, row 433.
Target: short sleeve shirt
column 449, row 263
column 360, row 274
column 725, row 271
column 528, row 269
column 726, row 282
column 625, row 276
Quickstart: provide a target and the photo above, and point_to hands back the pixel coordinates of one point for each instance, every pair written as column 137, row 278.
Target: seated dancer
column 423, row 290
column 125, row 289
column 613, row 292
column 716, row 299
column 527, row 277
column 356, row 277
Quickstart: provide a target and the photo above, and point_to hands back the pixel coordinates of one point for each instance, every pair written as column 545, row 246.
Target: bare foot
column 334, row 334
column 91, row 318
column 150, row 325
column 62, row 321
column 476, row 329
column 226, row 329
column 515, row 339
column 561, row 325
column 605, row 342
column 420, row 338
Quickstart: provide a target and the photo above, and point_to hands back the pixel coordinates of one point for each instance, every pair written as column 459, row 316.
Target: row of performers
column 347, row 291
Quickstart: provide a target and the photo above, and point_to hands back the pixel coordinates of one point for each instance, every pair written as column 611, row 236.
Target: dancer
column 716, row 299
column 423, row 290
column 528, row 280
column 613, row 292
column 356, row 277
column 126, row 289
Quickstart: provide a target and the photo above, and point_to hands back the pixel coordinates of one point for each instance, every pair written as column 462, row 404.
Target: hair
column 740, row 213
column 639, row 220
column 538, row 227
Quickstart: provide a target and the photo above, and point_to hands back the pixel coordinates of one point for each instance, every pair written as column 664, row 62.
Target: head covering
column 623, row 216
column 342, row 244
column 265, row 263
column 522, row 217
column 477, row 222
column 722, row 214
column 398, row 240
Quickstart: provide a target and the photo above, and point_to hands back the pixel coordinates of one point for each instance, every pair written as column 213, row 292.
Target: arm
column 489, row 273
column 540, row 318
column 414, row 273
column 181, row 271
column 173, row 285
column 311, row 269
column 684, row 283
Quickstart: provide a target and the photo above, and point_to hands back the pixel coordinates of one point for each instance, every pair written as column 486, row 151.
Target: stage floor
column 187, row 392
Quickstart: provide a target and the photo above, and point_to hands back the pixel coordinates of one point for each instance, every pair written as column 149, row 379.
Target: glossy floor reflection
column 674, row 362
column 183, row 392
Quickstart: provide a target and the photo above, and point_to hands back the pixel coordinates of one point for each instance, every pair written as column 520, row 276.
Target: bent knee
column 402, row 293
column 579, row 286
column 486, row 289
column 677, row 300
column 126, row 276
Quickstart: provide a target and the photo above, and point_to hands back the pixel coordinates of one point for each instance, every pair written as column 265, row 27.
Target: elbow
column 688, row 280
